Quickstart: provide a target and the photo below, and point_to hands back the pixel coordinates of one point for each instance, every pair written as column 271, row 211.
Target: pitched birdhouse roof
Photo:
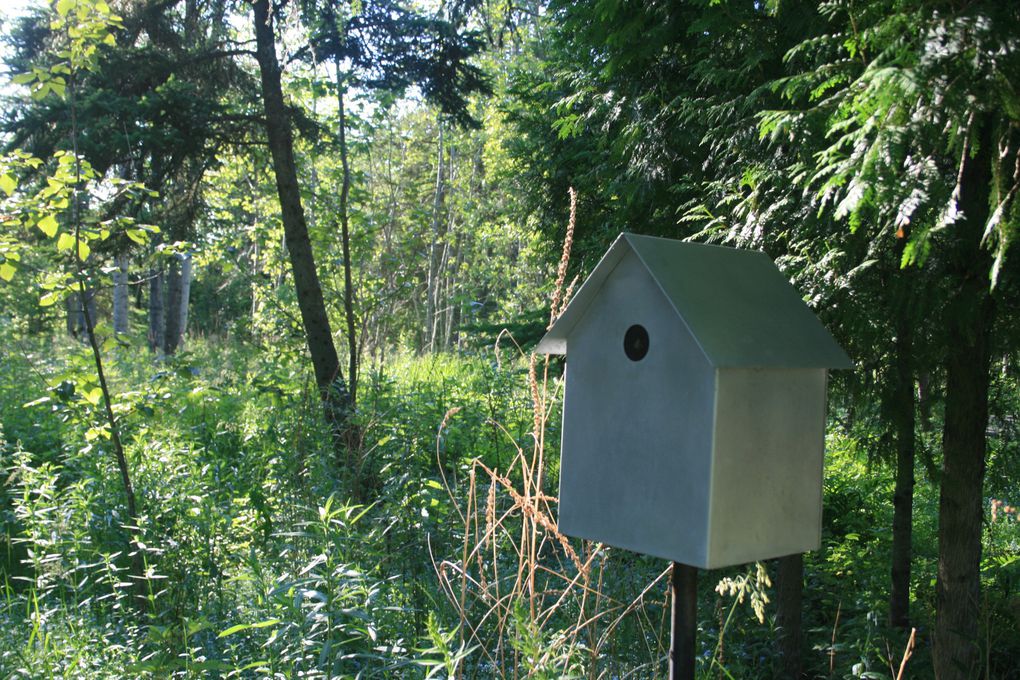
column 738, row 306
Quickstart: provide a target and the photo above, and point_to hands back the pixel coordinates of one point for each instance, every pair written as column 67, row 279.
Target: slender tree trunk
column 319, row 336
column 172, row 323
column 187, row 272
column 87, row 301
column 120, row 294
column 253, row 285
column 903, row 495
column 90, row 306
column 157, row 317
column 345, row 242
column 789, row 599
column 970, row 315
column 432, row 281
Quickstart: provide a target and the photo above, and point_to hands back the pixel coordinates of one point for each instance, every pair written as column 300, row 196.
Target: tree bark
column 970, row 315
column 187, row 272
column 432, row 281
column 903, row 494
column 157, row 317
column 172, row 323
column 345, row 243
column 789, row 599
column 120, row 295
column 178, row 290
column 318, row 334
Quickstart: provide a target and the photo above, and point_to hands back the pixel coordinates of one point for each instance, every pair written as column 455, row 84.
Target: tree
column 920, row 132
column 382, row 46
column 849, row 140
column 60, row 205
column 318, row 334
column 160, row 106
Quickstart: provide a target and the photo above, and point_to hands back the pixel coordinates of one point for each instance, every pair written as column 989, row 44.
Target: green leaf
column 245, row 626
column 139, row 236
column 83, row 249
column 23, row 78
column 48, row 225
column 8, row 184
column 64, row 6
column 49, row 299
column 65, row 242
column 94, row 433
column 6, row 271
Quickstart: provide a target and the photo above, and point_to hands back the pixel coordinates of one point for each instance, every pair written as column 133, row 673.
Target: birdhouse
column 694, row 405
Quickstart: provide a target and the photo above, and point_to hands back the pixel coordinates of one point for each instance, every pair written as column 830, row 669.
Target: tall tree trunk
column 178, row 291
column 120, row 294
column 157, row 316
column 319, row 336
column 187, row 272
column 789, row 599
column 970, row 314
column 345, row 242
column 172, row 326
column 452, row 306
column 432, row 281
column 902, row 413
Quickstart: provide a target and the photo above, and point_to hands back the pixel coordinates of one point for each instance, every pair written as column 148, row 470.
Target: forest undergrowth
column 259, row 562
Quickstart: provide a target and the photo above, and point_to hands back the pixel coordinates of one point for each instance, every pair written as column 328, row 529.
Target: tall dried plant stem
column 907, row 653
column 486, row 528
column 464, row 557
column 558, row 300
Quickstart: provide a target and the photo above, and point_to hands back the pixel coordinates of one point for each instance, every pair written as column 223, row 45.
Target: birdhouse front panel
column 636, row 449
column 767, row 464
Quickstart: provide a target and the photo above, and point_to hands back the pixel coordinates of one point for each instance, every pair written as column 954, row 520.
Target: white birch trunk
column 187, row 272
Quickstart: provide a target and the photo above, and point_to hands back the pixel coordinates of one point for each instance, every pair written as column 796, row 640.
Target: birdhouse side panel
column 637, row 424
column 767, row 469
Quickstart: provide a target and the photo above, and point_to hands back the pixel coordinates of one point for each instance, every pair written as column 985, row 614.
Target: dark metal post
column 684, row 586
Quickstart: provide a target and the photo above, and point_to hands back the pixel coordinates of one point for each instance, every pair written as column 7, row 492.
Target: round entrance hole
column 635, row 342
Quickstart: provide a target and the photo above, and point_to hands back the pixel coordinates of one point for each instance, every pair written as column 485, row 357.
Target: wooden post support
column 684, row 587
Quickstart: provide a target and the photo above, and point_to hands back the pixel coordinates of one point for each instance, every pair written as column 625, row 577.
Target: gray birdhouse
column 694, row 406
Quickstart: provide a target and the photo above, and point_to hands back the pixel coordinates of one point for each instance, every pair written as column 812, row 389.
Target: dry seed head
column 533, row 513
column 446, row 418
column 561, row 270
column 570, row 291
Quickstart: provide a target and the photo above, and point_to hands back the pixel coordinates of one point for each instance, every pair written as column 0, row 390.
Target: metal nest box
column 694, row 407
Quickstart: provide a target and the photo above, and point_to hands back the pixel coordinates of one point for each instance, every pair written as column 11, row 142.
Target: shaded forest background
column 270, row 275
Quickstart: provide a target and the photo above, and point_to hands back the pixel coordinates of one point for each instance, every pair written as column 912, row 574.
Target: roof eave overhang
column 555, row 340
